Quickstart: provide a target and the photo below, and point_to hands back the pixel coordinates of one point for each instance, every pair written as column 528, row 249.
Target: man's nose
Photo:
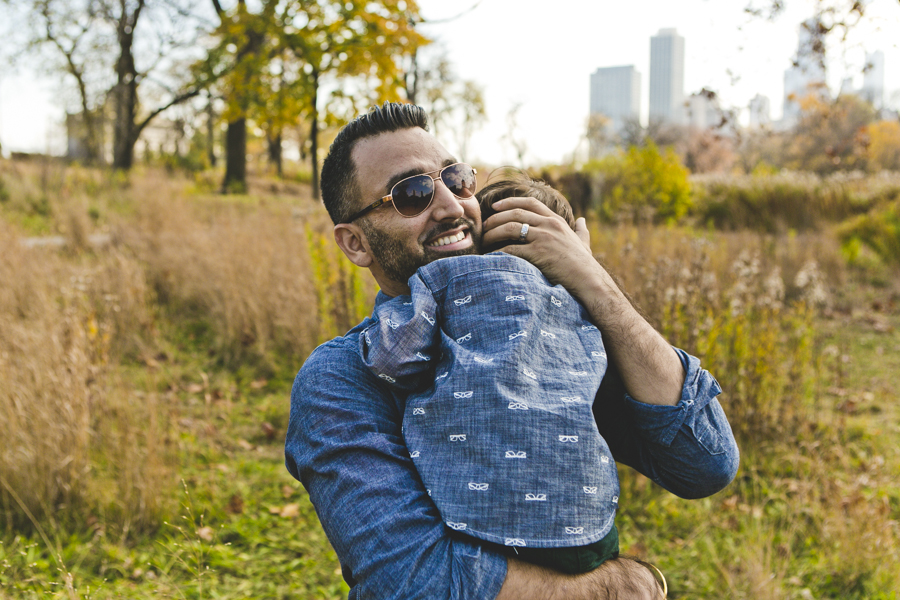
column 445, row 205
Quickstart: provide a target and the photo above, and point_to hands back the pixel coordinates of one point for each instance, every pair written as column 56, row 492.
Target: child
column 502, row 368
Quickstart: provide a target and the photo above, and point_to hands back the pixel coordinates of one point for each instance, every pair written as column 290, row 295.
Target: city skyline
column 544, row 65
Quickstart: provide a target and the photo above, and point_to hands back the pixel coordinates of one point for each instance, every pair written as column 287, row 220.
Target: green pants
column 573, row 560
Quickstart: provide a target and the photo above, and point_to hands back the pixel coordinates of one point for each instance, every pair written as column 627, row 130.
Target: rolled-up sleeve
column 344, row 444
column 689, row 449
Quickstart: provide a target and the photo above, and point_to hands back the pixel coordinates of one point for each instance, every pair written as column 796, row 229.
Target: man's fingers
column 583, row 234
column 505, row 232
column 529, row 204
column 514, row 215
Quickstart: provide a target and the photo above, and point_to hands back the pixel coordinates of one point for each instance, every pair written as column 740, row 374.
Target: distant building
column 760, row 111
column 703, row 110
column 873, row 79
column 806, row 76
column 78, row 142
column 616, row 94
column 667, row 77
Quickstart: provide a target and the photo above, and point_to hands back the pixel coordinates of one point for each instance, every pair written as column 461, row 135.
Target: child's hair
column 518, row 184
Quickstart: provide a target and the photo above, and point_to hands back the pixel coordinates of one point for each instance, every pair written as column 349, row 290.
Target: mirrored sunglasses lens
column 411, row 196
column 459, row 179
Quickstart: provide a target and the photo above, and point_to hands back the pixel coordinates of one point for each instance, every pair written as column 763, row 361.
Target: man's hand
column 563, row 256
column 620, row 579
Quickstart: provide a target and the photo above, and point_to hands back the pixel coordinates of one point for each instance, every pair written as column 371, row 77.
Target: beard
column 396, row 259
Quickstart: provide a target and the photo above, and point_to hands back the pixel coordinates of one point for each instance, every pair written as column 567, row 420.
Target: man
column 344, row 441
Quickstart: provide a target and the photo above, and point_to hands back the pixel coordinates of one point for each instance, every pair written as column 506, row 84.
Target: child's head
column 518, row 185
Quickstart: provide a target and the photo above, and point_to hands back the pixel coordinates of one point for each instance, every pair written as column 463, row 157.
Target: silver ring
column 523, row 232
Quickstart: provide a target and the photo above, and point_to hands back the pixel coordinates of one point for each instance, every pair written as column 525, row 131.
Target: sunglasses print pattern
column 555, row 348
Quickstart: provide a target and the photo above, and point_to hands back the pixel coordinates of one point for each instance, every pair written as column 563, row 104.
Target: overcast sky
column 541, row 54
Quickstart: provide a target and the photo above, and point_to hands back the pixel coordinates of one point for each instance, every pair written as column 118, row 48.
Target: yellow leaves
column 271, row 61
column 288, row 511
column 883, row 149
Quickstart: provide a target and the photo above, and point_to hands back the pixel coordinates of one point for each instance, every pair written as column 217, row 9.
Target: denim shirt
column 345, row 445
column 503, row 368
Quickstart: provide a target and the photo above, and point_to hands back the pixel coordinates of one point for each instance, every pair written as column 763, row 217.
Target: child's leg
column 573, row 560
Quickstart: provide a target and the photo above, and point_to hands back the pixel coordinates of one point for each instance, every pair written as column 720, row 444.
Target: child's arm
column 401, row 347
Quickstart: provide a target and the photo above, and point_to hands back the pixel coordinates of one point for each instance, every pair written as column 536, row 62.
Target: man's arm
column 656, row 407
column 345, row 445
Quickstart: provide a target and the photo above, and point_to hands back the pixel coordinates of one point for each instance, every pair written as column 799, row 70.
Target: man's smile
column 452, row 241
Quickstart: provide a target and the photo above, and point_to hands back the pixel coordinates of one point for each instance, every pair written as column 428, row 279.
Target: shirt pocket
column 707, row 434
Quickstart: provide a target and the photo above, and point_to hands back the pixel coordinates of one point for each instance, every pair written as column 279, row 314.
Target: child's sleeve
column 403, row 343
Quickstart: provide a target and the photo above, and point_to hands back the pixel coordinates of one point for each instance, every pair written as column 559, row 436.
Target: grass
column 170, row 354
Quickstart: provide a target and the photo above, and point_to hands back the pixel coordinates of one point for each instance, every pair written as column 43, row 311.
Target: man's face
column 450, row 226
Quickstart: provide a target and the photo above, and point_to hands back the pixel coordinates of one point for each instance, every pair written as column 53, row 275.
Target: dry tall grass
column 745, row 304
column 75, row 441
column 261, row 281
column 267, row 280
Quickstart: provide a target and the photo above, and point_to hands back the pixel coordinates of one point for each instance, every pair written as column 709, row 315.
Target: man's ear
column 352, row 242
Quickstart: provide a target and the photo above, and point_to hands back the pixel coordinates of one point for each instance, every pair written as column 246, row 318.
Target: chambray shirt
column 344, row 444
column 504, row 368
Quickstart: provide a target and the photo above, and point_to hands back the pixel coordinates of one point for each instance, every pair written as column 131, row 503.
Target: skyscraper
column 806, row 76
column 873, row 79
column 616, row 94
column 759, row 111
column 667, row 77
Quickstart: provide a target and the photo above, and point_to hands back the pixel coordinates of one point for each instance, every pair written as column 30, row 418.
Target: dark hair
column 519, row 184
column 339, row 188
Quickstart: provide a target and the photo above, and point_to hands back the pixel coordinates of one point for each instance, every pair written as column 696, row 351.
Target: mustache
column 445, row 227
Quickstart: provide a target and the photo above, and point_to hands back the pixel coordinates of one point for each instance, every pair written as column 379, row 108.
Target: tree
column 164, row 19
column 239, row 63
column 830, row 135
column 471, row 104
column 73, row 38
column 830, row 19
column 599, row 135
column 707, row 151
column 120, row 52
column 361, row 43
column 451, row 103
column 883, row 146
column 513, row 135
column 67, row 37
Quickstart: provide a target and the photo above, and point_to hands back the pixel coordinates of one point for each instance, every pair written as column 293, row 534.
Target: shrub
column 879, row 230
column 778, row 202
column 643, row 185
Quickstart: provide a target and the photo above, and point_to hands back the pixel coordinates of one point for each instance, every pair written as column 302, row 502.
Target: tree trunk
column 235, row 158
column 210, row 132
column 314, row 137
column 125, row 92
column 275, row 154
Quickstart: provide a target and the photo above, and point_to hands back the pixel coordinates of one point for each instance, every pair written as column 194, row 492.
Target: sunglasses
column 411, row 196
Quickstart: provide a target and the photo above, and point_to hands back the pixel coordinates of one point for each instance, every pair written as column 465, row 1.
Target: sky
column 541, row 55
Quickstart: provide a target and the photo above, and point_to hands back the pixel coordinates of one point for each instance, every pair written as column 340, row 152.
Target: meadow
column 146, row 362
